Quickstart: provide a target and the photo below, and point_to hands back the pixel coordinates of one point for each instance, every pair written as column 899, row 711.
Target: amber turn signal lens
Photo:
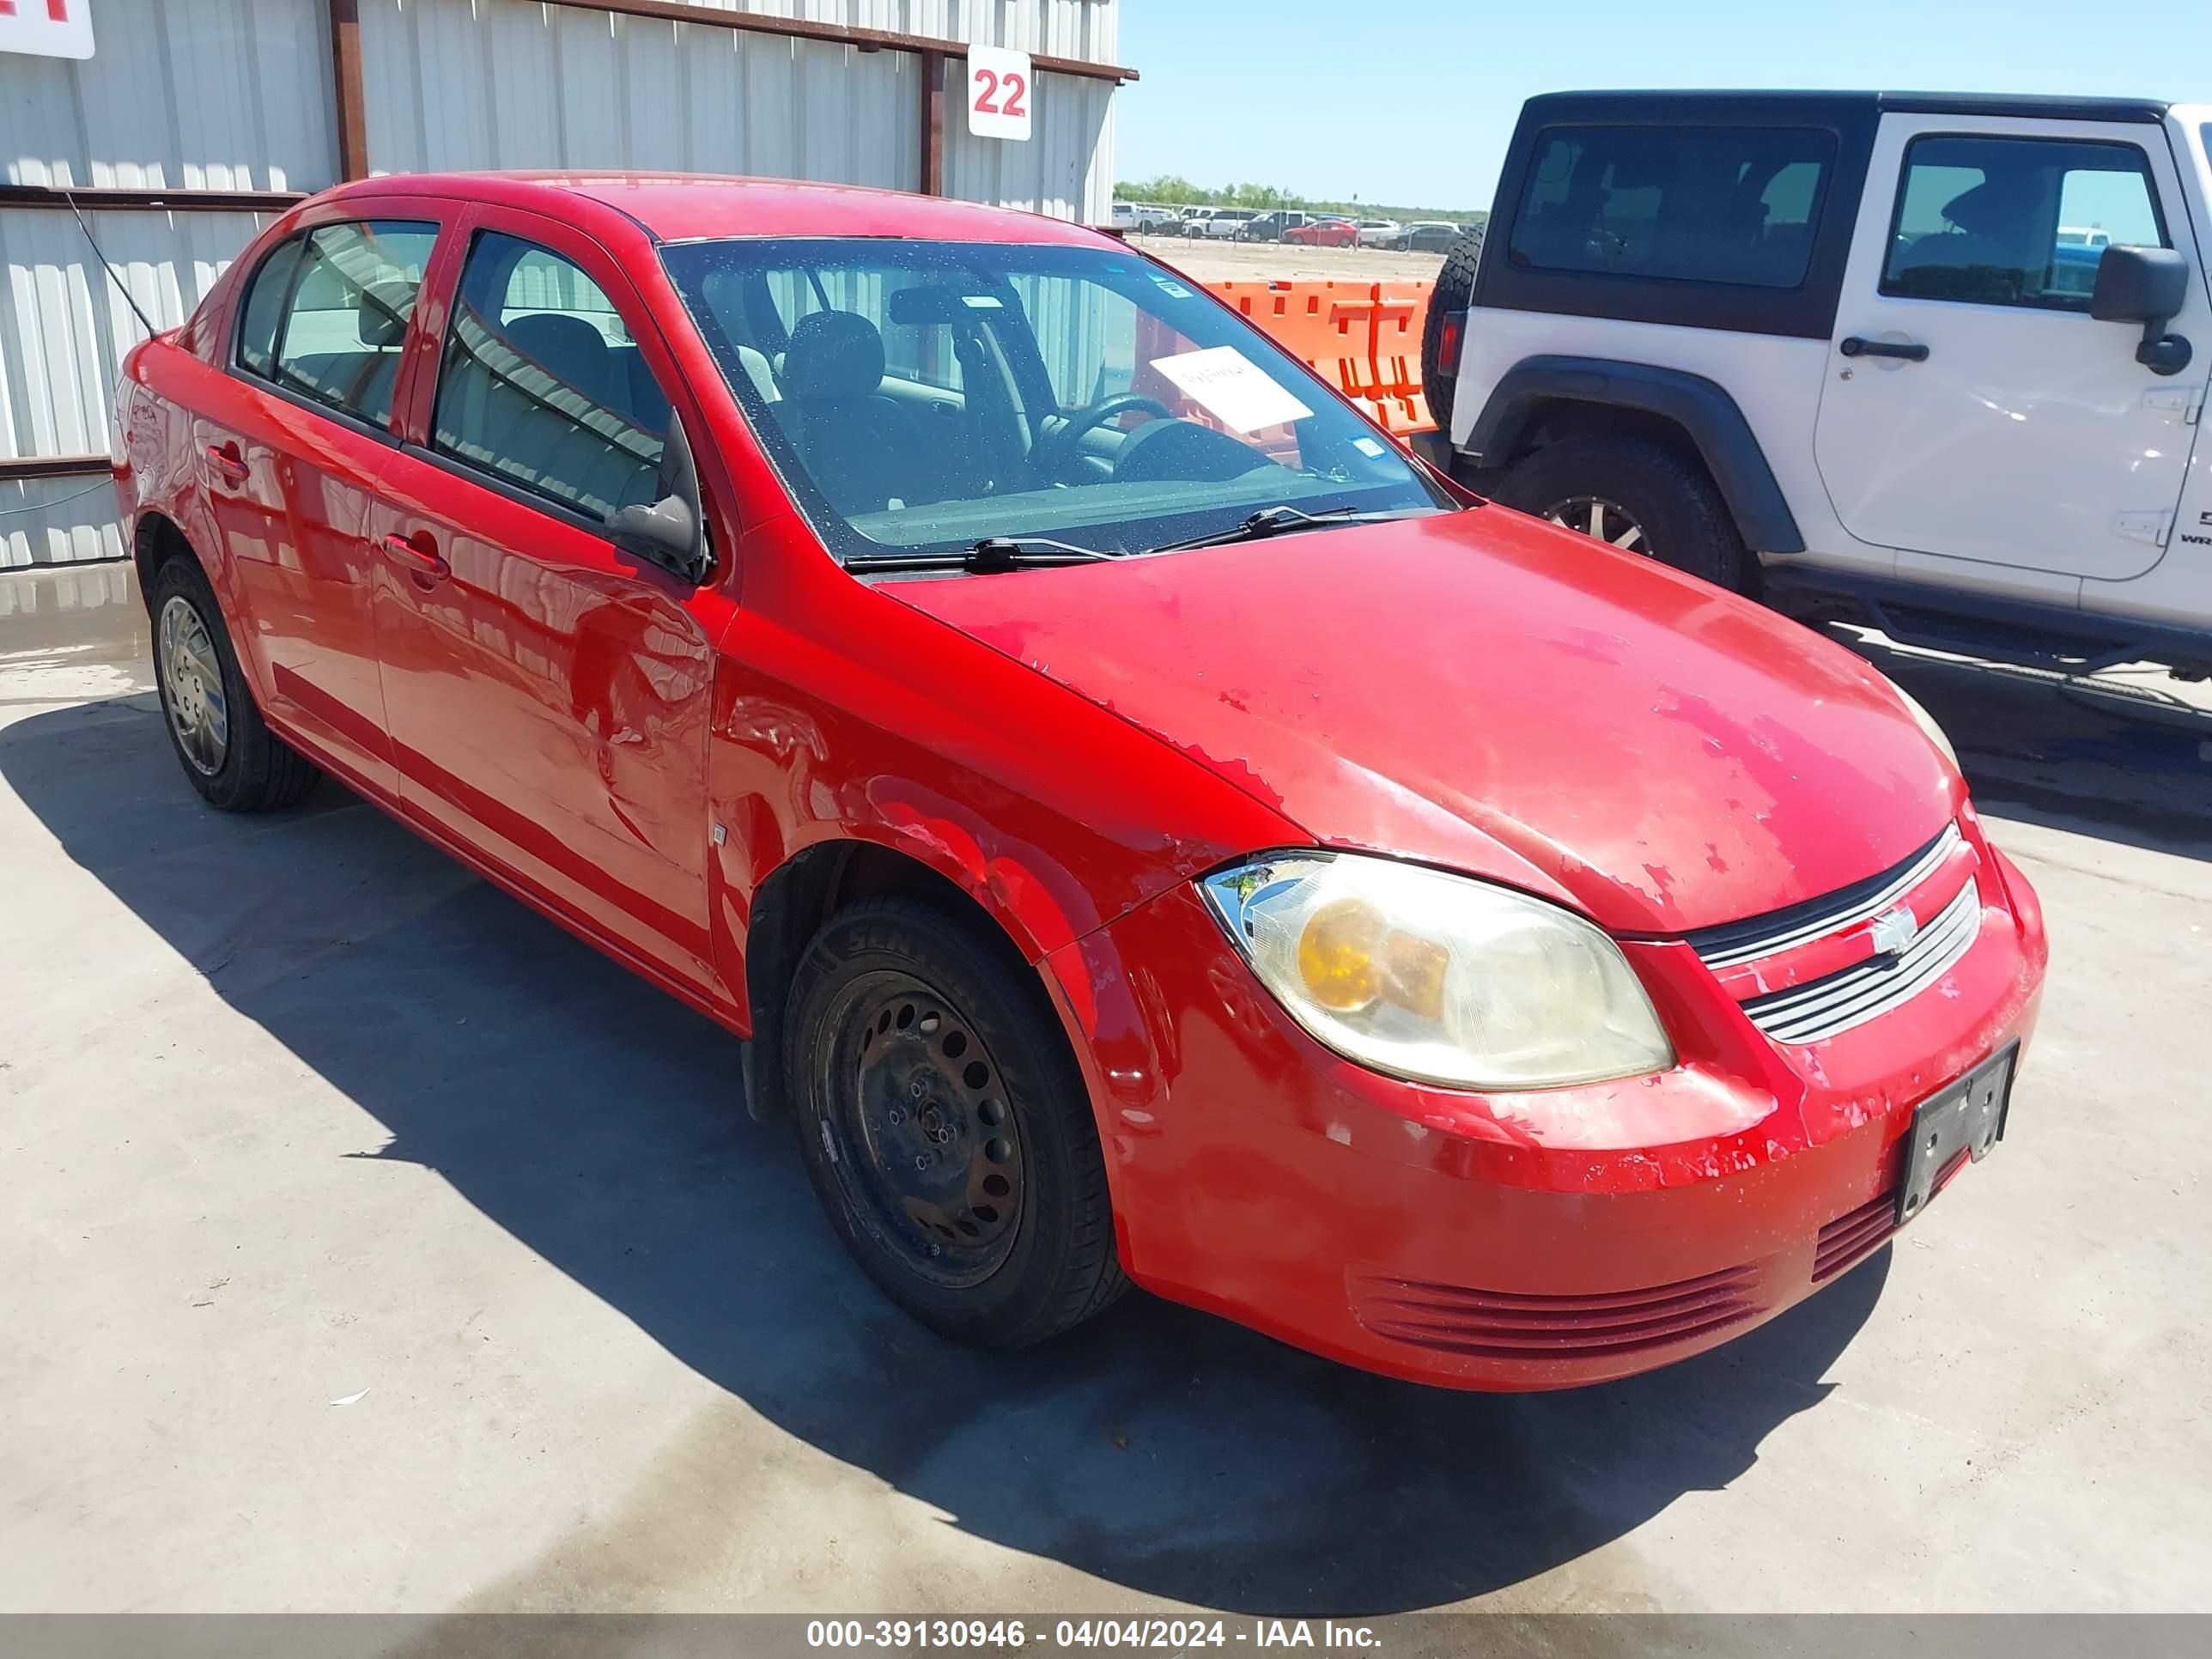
column 1337, row 952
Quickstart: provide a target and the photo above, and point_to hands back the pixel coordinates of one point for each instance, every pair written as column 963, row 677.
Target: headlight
column 1935, row 734
column 1438, row 977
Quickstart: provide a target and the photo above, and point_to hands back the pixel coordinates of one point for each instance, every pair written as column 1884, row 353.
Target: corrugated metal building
column 197, row 121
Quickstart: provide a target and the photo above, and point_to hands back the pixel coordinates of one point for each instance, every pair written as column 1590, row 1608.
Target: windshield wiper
column 992, row 553
column 1274, row 520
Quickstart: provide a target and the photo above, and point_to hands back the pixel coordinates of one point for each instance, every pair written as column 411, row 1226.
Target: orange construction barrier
column 1325, row 324
column 1364, row 338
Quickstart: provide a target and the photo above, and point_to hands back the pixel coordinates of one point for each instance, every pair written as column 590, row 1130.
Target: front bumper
column 1433, row 1234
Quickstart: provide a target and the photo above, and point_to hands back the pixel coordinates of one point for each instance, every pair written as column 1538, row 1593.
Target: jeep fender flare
column 1701, row 408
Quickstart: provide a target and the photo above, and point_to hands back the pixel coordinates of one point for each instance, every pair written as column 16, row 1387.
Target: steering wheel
column 1052, row 450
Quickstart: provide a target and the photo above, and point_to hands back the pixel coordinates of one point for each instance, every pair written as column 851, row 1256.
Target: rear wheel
column 229, row 753
column 946, row 1128
column 1639, row 496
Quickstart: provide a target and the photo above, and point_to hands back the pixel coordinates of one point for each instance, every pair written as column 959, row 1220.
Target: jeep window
column 2015, row 222
column 1703, row 205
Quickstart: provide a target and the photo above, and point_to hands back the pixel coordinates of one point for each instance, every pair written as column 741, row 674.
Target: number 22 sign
column 1001, row 89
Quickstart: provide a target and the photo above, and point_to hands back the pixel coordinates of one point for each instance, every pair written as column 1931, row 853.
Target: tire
column 1454, row 291
column 1681, row 517
column 861, row 1008
column 251, row 769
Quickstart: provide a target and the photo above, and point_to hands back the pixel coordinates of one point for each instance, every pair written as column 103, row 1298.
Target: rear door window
column 350, row 290
column 263, row 313
column 2015, row 222
column 1706, row 204
column 543, row 384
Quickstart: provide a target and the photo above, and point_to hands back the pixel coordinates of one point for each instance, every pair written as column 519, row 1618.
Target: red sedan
column 1142, row 825
column 1324, row 232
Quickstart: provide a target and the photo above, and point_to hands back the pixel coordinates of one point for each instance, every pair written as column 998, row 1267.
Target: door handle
column 1853, row 346
column 227, row 460
column 419, row 555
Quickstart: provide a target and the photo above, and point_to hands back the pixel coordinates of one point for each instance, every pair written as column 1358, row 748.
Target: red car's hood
column 1484, row 691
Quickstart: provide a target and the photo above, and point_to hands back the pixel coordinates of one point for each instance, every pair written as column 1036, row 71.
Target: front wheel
column 1638, row 496
column 946, row 1128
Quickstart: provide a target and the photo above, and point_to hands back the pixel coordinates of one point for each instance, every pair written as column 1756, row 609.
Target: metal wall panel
column 68, row 592
column 58, row 521
column 460, row 84
column 63, row 326
column 1057, row 29
column 1067, row 167
column 64, row 330
column 179, row 94
column 453, row 85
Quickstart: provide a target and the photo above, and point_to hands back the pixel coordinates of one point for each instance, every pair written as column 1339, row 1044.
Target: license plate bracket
column 1969, row 1116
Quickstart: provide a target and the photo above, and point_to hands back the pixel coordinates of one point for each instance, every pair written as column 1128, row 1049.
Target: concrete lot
column 370, row 1244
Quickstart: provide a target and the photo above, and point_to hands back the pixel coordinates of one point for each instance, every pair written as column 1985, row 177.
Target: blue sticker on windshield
column 1169, row 285
column 1367, row 446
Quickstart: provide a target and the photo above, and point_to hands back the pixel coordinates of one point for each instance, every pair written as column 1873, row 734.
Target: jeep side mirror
column 2146, row 285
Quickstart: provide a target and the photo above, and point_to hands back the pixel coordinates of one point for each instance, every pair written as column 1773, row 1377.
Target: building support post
column 351, row 96
column 932, row 123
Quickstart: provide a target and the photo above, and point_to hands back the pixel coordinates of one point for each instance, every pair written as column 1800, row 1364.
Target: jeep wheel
column 1454, row 291
column 1636, row 495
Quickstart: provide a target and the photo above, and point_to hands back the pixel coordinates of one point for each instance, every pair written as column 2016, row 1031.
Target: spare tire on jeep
column 1454, row 291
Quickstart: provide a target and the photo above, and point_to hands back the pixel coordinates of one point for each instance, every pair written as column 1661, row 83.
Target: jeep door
column 1975, row 416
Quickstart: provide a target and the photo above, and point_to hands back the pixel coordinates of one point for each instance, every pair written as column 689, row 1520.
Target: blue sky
column 1412, row 101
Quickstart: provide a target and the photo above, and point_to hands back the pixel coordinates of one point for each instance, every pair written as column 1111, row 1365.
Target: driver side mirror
column 665, row 532
column 2146, row 285
column 671, row 531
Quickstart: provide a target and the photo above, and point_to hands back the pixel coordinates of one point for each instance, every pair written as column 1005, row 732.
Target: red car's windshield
column 920, row 396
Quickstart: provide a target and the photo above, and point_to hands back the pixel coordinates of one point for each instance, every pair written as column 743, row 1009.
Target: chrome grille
column 1866, row 990
column 1765, row 936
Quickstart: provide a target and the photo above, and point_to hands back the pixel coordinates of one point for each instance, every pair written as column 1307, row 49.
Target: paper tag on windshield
column 1232, row 388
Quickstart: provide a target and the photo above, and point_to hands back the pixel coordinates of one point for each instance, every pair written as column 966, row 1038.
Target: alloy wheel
column 191, row 686
column 1605, row 520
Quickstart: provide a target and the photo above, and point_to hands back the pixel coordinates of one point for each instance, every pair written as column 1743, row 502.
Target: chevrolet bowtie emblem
column 1893, row 930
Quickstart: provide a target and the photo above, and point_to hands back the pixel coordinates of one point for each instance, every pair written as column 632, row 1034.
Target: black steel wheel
column 920, row 1135
column 946, row 1127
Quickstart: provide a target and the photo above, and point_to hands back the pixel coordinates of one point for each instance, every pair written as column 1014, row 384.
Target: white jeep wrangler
column 1933, row 362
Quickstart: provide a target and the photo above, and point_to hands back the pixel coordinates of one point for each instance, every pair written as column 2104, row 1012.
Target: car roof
column 674, row 207
column 1720, row 105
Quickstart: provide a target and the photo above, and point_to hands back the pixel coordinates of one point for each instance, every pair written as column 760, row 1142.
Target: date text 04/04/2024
column 1137, row 1632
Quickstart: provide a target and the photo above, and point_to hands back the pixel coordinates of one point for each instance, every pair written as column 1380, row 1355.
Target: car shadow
column 601, row 1124
column 2124, row 756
